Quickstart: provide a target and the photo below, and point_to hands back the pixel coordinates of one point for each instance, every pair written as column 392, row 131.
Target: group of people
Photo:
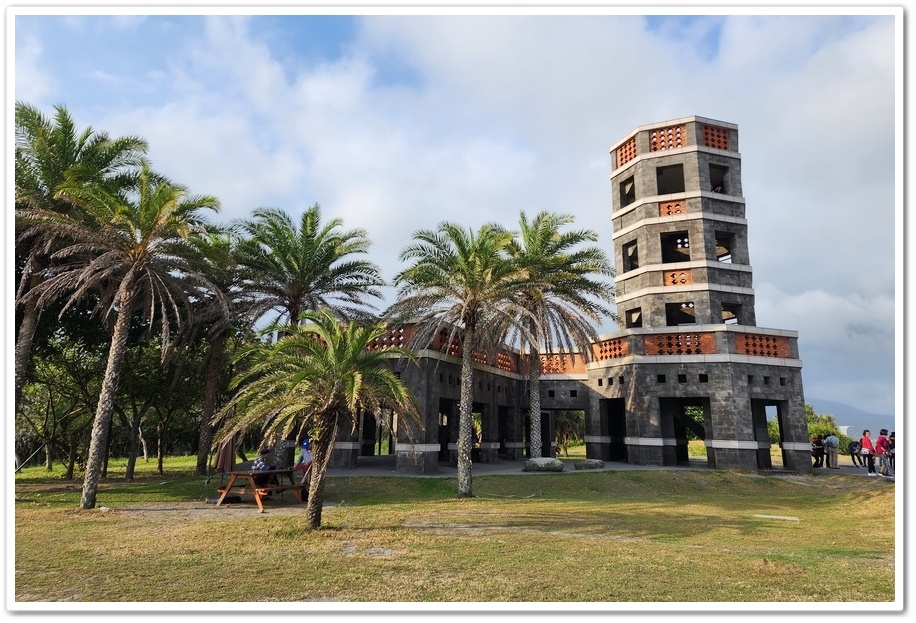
column 826, row 449
column 265, row 462
column 863, row 452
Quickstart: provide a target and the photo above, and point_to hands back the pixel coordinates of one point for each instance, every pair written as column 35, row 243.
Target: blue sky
column 397, row 122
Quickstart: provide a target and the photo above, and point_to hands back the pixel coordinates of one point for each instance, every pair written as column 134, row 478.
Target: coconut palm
column 563, row 298
column 317, row 376
column 49, row 153
column 463, row 283
column 134, row 255
column 292, row 268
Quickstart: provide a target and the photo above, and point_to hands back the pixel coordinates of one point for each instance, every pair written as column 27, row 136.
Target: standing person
column 891, row 451
column 882, row 447
column 867, row 449
column 853, row 448
column 817, row 450
column 832, row 448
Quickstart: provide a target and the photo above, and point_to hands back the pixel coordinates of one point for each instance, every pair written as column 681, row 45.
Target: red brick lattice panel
column 507, row 362
column 678, row 278
column 626, row 152
column 715, row 137
column 611, row 349
column 668, row 138
column 396, row 338
column 672, row 208
column 680, row 344
column 762, row 345
column 561, row 364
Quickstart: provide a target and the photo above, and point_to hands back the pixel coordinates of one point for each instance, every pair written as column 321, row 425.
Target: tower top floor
column 676, row 134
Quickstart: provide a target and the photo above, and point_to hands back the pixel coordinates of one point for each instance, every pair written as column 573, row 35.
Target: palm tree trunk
column 24, row 339
column 465, row 428
column 99, row 440
column 534, row 401
column 321, row 448
column 211, row 392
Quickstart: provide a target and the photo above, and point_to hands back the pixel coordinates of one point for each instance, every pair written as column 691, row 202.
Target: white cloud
column 472, row 120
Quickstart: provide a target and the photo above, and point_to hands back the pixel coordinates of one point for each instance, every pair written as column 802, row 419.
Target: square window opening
column 681, row 378
column 550, row 393
column 670, row 179
column 660, row 378
column 675, row 247
column 677, row 314
column 731, row 313
column 573, row 393
column 704, row 378
column 634, row 318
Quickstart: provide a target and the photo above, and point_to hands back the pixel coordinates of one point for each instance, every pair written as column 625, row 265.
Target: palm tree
column 317, row 376
column 461, row 282
column 563, row 299
column 134, row 255
column 50, row 152
column 291, row 269
column 221, row 313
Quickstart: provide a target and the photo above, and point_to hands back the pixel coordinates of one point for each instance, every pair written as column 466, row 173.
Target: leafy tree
column 570, row 427
column 290, row 268
column 562, row 298
column 134, row 253
column 317, row 376
column 463, row 284
column 51, row 153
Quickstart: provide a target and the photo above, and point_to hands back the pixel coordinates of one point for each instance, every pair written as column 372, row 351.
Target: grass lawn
column 612, row 537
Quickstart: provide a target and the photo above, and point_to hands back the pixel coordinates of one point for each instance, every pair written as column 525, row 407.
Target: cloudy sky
column 397, row 122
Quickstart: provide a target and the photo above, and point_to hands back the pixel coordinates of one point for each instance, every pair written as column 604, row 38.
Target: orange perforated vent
column 715, row 137
column 611, row 349
column 668, row 138
column 678, row 277
column 561, row 364
column 761, row 345
column 672, row 208
column 680, row 344
column 626, row 152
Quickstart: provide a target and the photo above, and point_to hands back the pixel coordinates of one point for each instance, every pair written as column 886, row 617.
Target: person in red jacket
column 867, row 450
column 882, row 451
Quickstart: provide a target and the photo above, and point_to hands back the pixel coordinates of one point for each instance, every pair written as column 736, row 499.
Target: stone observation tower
column 689, row 355
column 687, row 362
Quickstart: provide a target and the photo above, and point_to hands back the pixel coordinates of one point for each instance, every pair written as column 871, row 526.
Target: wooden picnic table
column 274, row 482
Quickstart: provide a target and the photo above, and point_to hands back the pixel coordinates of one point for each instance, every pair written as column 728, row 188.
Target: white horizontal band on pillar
column 730, row 444
column 597, row 439
column 796, row 445
column 417, row 447
column 650, row 441
column 346, row 445
column 488, row 445
column 515, row 444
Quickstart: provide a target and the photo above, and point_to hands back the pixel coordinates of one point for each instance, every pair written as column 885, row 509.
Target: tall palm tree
column 220, row 312
column 464, row 283
column 317, row 376
column 564, row 299
column 134, row 255
column 292, row 268
column 50, row 152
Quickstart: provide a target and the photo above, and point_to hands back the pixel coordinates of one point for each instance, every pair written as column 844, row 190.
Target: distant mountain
column 856, row 419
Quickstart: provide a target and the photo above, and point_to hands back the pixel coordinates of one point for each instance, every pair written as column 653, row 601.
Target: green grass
column 614, row 536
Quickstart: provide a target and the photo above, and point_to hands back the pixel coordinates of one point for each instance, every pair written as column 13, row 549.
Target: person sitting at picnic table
column 305, row 459
column 263, row 464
